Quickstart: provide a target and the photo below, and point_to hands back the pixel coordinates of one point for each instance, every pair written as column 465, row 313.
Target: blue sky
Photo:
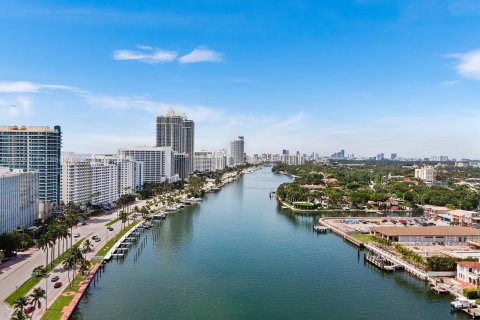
column 367, row 76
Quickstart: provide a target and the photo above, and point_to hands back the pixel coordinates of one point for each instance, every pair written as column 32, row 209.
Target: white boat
column 284, row 207
column 462, row 303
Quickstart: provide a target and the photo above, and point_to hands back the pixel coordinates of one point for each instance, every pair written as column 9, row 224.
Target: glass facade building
column 18, row 199
column 34, row 149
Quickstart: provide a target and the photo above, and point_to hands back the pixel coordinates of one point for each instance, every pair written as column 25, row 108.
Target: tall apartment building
column 100, row 179
column 18, row 199
column 427, row 173
column 204, row 161
column 220, row 159
column 158, row 162
column 237, row 151
column 34, row 149
column 177, row 132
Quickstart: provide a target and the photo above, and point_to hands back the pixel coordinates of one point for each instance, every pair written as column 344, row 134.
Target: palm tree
column 84, row 266
column 20, row 304
column 71, row 219
column 69, row 263
column 77, row 257
column 36, row 297
column 123, row 217
column 43, row 243
column 87, row 247
column 19, row 315
column 63, row 233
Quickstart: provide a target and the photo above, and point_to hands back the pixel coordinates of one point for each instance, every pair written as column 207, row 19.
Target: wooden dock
column 472, row 312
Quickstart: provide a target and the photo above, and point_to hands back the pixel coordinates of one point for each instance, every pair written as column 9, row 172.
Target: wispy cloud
column 146, row 54
column 467, row 64
column 201, row 54
column 32, row 87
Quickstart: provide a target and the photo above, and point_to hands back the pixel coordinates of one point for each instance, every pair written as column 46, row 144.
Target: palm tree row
column 34, row 299
column 58, row 232
column 75, row 259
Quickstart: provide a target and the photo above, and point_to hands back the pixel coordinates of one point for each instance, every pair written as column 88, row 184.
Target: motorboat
column 462, row 303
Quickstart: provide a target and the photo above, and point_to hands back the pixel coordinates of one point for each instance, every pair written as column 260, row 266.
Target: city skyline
column 313, row 77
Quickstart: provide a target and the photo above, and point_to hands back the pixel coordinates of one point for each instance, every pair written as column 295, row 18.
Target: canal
column 238, row 255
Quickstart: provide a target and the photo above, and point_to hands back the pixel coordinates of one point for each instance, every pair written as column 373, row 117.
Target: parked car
column 57, row 285
column 30, row 309
column 97, row 239
column 110, row 229
column 76, row 235
column 55, row 278
column 84, row 223
column 94, row 237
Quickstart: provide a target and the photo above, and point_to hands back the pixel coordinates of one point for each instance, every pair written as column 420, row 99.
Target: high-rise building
column 427, row 173
column 339, row 155
column 177, row 132
column 237, row 151
column 393, row 156
column 99, row 179
column 380, row 156
column 158, row 162
column 18, row 199
column 34, row 149
column 204, row 161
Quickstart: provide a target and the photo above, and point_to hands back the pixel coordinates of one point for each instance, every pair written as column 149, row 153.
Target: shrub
column 471, row 293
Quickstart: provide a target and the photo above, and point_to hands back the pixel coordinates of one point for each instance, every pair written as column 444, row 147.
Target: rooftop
column 469, row 264
column 27, row 129
column 427, row 231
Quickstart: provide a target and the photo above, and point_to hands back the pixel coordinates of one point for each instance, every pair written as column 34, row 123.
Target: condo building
column 99, row 179
column 19, row 193
column 177, row 132
column 237, row 152
column 37, row 149
column 158, row 162
column 427, row 173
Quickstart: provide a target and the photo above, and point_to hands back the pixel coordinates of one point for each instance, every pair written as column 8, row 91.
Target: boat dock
column 394, row 261
column 120, row 247
column 321, row 229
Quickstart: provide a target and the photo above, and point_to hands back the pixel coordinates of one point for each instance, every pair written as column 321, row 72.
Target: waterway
column 238, row 255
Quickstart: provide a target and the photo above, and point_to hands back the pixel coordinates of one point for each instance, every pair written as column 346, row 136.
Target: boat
column 462, row 303
column 321, row 229
column 284, row 207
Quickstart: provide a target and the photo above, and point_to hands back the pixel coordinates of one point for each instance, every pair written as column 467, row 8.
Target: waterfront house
column 468, row 271
column 427, row 235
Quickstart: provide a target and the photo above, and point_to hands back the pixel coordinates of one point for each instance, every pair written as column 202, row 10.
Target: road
column 16, row 274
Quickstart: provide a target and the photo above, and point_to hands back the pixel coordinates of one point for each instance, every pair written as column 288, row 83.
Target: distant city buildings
column 19, row 196
column 428, row 174
column 237, row 152
column 177, row 132
column 338, row 155
column 393, row 157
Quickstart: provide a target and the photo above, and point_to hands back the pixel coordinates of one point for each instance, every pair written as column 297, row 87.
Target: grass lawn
column 110, row 243
column 32, row 282
column 366, row 238
column 113, row 222
column 55, row 311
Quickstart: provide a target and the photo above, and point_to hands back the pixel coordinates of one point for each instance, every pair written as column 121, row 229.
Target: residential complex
column 177, row 132
column 427, row 173
column 34, row 149
column 207, row 161
column 158, row 162
column 19, row 193
column 99, row 179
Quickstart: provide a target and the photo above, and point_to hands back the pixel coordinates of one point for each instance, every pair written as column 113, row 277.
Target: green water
column 239, row 256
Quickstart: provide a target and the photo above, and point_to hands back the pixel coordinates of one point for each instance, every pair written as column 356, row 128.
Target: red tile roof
column 469, row 264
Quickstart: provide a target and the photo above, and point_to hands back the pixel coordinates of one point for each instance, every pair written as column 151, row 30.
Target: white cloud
column 32, row 87
column 468, row 64
column 201, row 54
column 147, row 55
